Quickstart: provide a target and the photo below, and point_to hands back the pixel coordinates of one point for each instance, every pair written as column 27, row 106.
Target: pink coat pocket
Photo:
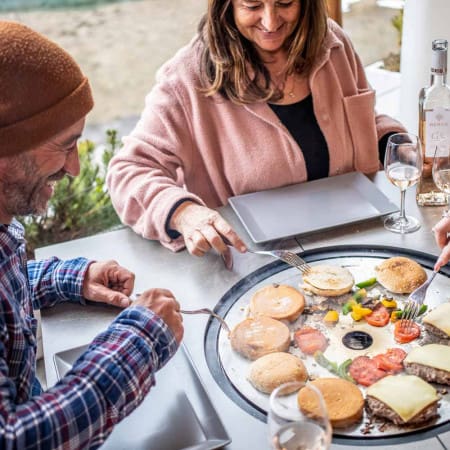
column 359, row 111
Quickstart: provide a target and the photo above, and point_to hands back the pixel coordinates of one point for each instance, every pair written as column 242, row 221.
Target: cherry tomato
column 406, row 331
column 379, row 316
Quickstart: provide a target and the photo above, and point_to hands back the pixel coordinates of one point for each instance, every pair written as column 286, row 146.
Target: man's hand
column 163, row 304
column 441, row 234
column 107, row 282
column 203, row 228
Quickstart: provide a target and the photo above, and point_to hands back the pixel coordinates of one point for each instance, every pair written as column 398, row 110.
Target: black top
column 300, row 120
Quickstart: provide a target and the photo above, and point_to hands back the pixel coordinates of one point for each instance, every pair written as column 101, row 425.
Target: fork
column 210, row 312
column 288, row 257
column 414, row 302
column 201, row 311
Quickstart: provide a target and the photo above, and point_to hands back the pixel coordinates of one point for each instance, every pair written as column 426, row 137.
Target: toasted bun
column 256, row 337
column 271, row 371
column 344, row 401
column 400, row 275
column 278, row 301
column 329, row 281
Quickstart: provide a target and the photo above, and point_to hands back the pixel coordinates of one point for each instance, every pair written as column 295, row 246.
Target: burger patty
column 378, row 408
column 428, row 373
column 436, row 331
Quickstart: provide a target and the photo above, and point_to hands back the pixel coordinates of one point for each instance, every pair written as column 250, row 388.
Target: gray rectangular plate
column 308, row 207
column 176, row 414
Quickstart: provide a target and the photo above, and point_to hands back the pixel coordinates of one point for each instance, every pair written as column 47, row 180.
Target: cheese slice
column 431, row 355
column 407, row 395
column 440, row 317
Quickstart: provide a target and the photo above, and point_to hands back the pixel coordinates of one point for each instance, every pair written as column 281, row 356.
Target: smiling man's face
column 27, row 180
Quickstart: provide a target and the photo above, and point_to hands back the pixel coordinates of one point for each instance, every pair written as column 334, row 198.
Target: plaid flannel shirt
column 105, row 384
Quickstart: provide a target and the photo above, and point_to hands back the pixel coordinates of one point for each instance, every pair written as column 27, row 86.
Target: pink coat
column 208, row 149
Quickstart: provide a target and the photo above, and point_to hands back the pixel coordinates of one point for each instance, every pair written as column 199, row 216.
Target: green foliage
column 80, row 206
column 392, row 61
column 397, row 21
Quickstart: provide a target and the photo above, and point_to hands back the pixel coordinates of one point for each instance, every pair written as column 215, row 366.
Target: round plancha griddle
column 230, row 370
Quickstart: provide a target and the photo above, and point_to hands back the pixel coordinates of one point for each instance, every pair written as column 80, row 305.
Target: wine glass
column 441, row 171
column 290, row 428
column 403, row 165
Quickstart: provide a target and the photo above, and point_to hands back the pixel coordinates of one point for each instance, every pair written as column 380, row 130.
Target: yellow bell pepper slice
column 358, row 312
column 331, row 317
column 389, row 303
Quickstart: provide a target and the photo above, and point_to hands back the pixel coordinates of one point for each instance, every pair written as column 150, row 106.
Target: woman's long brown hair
column 233, row 67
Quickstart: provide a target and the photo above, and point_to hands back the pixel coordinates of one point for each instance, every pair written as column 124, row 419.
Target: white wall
column 423, row 21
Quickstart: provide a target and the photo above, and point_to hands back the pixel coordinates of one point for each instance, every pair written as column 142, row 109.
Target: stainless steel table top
column 199, row 282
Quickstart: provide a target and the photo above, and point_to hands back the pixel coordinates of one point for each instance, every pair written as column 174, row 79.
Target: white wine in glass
column 441, row 171
column 292, row 429
column 403, row 176
column 403, row 165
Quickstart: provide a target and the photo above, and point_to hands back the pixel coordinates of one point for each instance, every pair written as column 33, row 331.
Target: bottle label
column 437, row 130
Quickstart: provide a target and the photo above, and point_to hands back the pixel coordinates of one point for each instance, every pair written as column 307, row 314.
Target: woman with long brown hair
column 269, row 93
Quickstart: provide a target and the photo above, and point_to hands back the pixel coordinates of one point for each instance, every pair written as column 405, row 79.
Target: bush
column 392, row 61
column 80, row 206
column 397, row 22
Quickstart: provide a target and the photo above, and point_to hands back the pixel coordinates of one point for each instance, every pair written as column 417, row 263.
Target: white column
column 423, row 21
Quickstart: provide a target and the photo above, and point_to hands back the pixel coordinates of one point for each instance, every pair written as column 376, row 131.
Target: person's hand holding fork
column 204, row 229
column 441, row 234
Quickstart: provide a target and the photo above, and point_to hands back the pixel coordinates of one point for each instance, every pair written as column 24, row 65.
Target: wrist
column 176, row 218
column 151, row 327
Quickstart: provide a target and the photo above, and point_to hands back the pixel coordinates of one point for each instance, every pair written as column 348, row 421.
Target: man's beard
column 22, row 192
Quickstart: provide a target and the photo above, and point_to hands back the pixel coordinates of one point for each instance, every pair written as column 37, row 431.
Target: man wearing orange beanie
column 44, row 98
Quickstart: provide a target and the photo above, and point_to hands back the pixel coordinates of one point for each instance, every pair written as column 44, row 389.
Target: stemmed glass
column 291, row 428
column 403, row 165
column 441, row 171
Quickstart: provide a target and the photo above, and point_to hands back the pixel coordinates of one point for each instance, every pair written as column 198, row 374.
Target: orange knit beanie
column 42, row 89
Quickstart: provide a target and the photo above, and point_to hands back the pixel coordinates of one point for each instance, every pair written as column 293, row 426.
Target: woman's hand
column 203, row 229
column 163, row 304
column 441, row 234
column 107, row 282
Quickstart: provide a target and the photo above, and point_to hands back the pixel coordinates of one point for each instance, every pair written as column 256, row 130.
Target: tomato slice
column 306, row 330
column 396, row 354
column 309, row 340
column 365, row 371
column 391, row 361
column 379, row 317
column 406, row 331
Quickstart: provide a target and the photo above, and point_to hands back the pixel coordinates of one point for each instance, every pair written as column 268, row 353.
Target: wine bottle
column 434, row 124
